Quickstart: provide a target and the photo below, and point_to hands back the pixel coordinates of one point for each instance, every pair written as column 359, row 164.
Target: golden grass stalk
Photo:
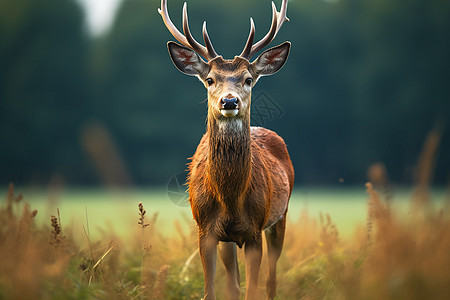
column 57, row 234
column 424, row 170
column 90, row 266
column 160, row 285
column 184, row 275
column 145, row 246
column 87, row 233
column 103, row 256
column 12, row 199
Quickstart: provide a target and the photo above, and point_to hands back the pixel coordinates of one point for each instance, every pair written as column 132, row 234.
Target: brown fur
column 240, row 177
column 245, row 185
column 240, row 182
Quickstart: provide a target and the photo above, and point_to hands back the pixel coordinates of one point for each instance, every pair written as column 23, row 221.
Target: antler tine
column 269, row 36
column 172, row 28
column 278, row 19
column 187, row 39
column 193, row 43
column 282, row 15
column 211, row 52
column 248, row 46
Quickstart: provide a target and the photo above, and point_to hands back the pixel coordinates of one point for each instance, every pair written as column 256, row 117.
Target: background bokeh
column 365, row 82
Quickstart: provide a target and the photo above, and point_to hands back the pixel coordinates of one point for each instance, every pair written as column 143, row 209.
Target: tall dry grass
column 30, row 257
column 393, row 256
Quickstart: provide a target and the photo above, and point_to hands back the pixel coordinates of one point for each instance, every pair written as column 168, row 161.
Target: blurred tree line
column 365, row 82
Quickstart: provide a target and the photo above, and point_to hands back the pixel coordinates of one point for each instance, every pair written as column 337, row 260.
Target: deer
column 240, row 177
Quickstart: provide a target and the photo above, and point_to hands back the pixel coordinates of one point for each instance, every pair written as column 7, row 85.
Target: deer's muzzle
column 229, row 107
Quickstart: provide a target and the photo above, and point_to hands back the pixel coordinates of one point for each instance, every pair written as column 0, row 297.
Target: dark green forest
column 365, row 82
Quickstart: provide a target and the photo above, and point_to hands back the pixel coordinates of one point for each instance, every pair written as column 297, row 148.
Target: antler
column 187, row 39
column 278, row 19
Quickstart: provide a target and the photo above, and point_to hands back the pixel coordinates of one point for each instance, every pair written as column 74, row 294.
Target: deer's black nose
column 228, row 103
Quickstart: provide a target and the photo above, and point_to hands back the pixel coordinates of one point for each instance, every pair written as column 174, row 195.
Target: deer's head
column 229, row 81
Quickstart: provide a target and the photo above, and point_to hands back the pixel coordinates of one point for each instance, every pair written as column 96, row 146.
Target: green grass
column 115, row 209
column 341, row 243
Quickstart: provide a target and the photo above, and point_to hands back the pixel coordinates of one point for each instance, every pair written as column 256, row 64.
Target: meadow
column 341, row 243
column 370, row 242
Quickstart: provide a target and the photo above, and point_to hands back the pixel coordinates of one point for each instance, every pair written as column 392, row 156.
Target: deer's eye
column 248, row 81
column 209, row 81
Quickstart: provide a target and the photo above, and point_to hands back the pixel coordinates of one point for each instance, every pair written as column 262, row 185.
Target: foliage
column 364, row 83
column 43, row 87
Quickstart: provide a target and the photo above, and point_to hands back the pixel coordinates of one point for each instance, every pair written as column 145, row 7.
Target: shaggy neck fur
column 229, row 159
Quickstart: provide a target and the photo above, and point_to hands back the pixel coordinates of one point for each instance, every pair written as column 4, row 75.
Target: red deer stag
column 240, row 177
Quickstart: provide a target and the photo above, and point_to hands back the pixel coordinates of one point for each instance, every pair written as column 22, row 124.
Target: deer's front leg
column 253, row 254
column 208, row 255
column 228, row 254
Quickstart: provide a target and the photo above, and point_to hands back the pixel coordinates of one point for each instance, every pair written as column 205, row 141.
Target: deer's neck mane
column 229, row 160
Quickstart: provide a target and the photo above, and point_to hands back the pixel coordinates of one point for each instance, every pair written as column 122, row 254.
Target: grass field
column 115, row 209
column 341, row 243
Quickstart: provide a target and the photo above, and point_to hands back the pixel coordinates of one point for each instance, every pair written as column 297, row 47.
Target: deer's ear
column 271, row 60
column 187, row 60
